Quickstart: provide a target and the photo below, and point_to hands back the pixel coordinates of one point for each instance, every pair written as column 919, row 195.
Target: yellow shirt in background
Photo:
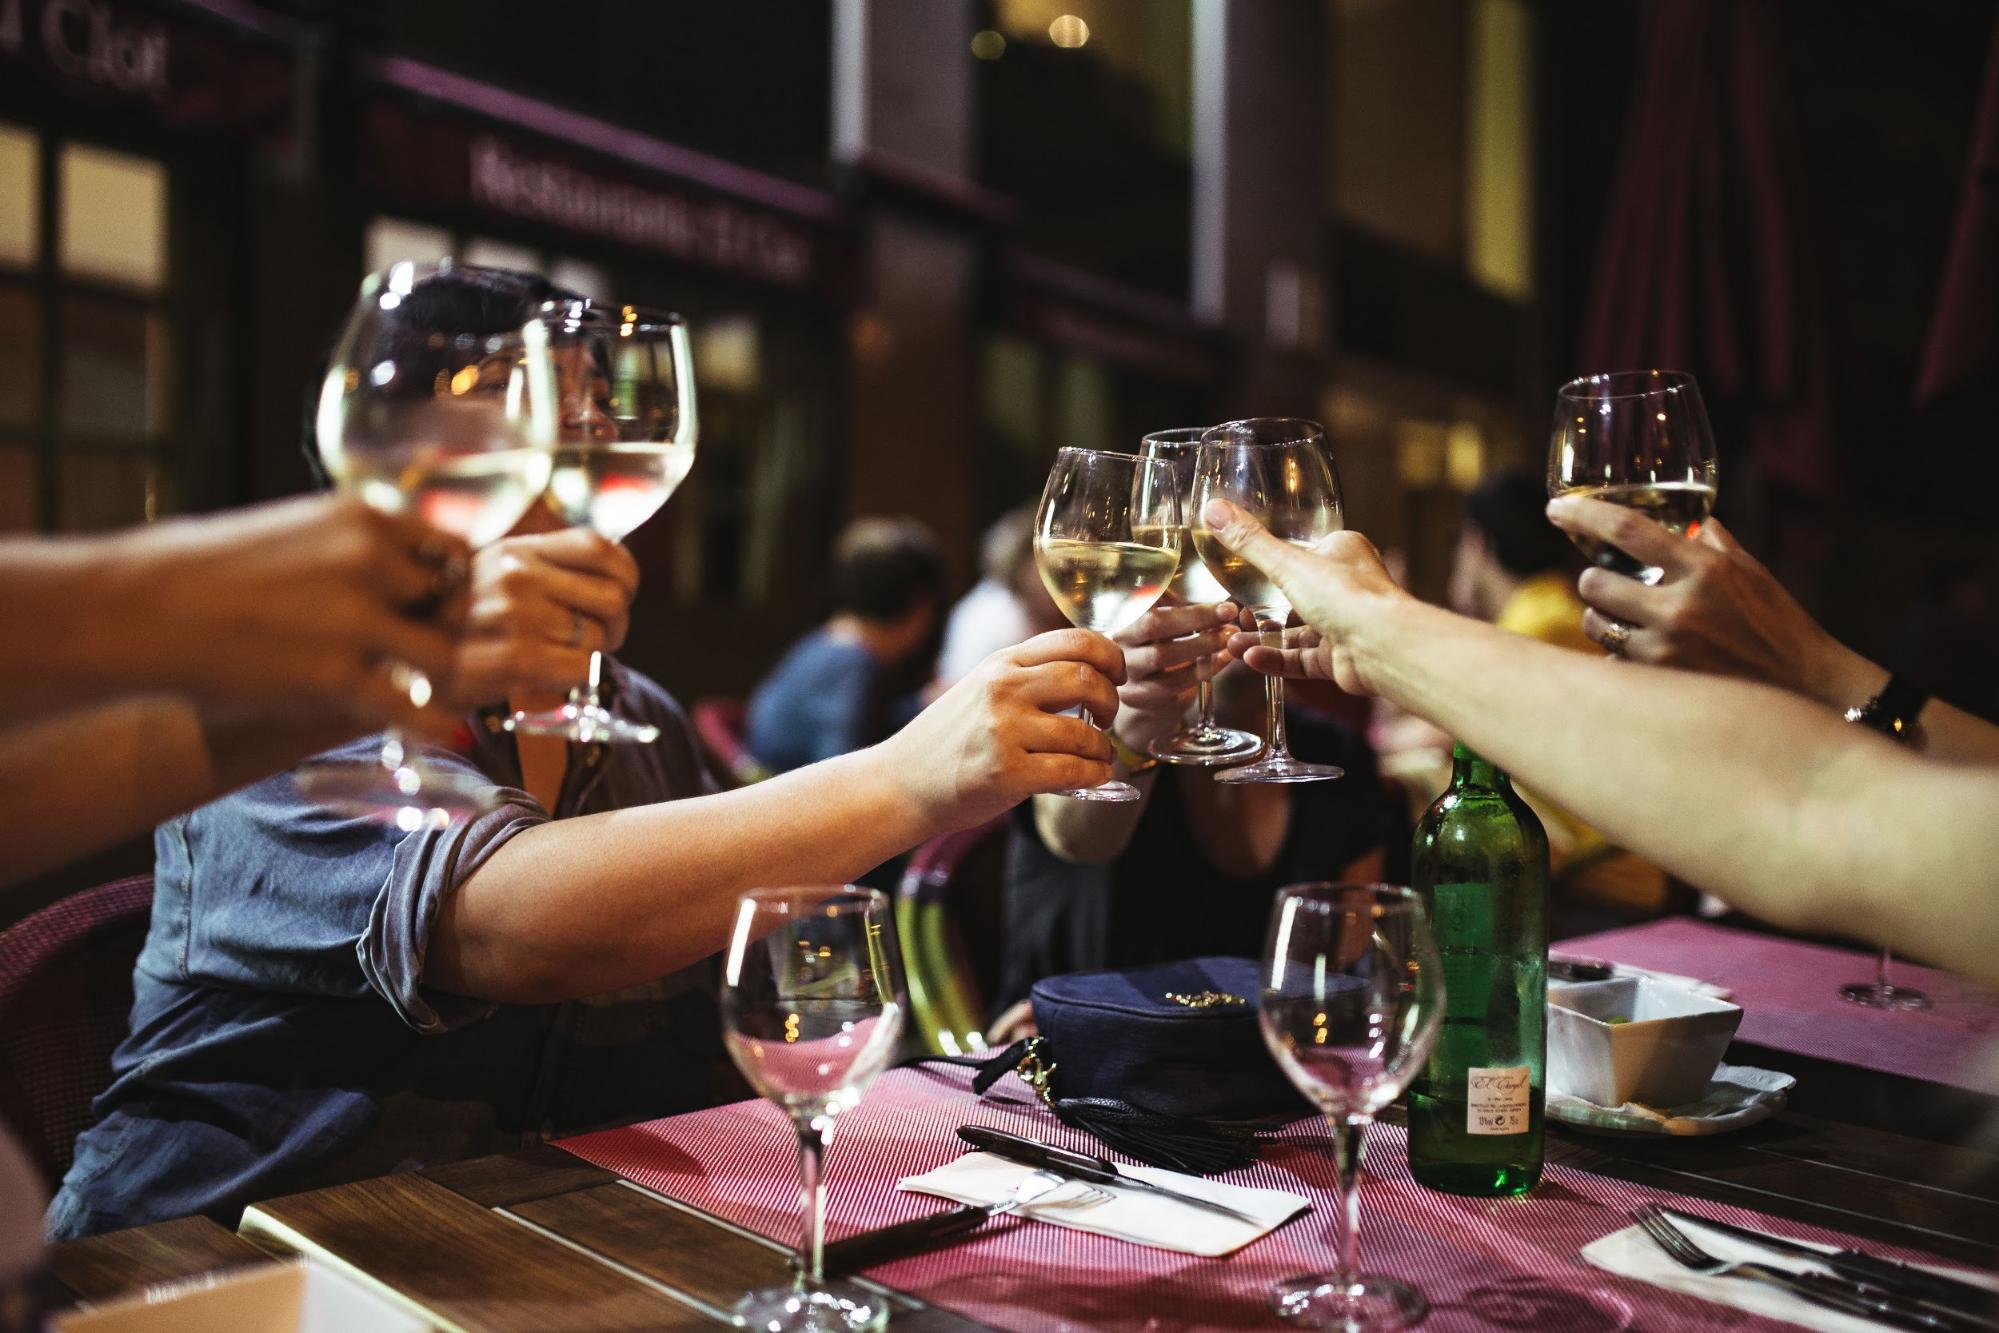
column 1546, row 607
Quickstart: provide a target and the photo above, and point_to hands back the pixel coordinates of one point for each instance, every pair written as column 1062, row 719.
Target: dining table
column 665, row 1224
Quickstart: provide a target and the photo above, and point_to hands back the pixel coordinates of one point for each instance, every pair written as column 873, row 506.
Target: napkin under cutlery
column 1139, row 1216
column 1631, row 1253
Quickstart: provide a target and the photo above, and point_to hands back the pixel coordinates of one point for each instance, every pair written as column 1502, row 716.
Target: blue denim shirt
column 827, row 696
column 282, row 1037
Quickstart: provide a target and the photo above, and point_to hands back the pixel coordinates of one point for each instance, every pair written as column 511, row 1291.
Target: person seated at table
column 1717, row 609
column 153, row 669
column 855, row 679
column 1189, row 868
column 1006, row 605
column 1765, row 798
column 322, row 998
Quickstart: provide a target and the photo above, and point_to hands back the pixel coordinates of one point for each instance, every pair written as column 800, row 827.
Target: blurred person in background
column 857, row 678
column 147, row 671
column 1189, row 868
column 1006, row 605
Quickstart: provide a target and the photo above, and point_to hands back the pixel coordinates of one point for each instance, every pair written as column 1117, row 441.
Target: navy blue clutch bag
column 1179, row 1039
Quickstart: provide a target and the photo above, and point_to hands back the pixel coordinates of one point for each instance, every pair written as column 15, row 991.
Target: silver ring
column 1616, row 636
column 576, row 629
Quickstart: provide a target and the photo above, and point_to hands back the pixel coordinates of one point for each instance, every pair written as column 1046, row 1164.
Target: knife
column 1889, row 1275
column 1080, row 1166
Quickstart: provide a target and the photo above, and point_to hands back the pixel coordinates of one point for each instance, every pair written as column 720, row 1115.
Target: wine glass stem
column 1204, row 695
column 1273, row 686
column 394, row 749
column 814, row 1133
column 1346, row 1166
column 1881, row 983
column 587, row 695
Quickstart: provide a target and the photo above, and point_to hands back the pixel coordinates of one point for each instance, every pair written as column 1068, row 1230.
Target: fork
column 1822, row 1289
column 869, row 1248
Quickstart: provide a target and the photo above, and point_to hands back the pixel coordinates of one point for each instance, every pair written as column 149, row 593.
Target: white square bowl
column 1662, row 1051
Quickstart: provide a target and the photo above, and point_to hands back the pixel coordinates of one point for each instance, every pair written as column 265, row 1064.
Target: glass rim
column 1137, row 460
column 1179, row 435
column 1626, row 385
column 585, row 310
column 1324, row 891
column 1311, row 433
column 812, row 894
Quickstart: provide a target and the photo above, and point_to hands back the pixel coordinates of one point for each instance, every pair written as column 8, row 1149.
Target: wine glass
column 440, row 402
column 1637, row 438
column 812, row 1009
column 1202, row 742
column 1881, row 993
column 1106, row 541
column 1351, row 1000
column 624, row 443
column 1279, row 470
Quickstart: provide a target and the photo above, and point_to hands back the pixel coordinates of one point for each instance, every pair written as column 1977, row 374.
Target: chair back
column 65, row 1002
column 720, row 725
column 950, row 912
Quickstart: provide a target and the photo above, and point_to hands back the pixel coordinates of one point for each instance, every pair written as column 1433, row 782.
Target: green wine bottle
column 1481, row 866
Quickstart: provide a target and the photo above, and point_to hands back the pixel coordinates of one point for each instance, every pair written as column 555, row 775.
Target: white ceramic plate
column 1738, row 1097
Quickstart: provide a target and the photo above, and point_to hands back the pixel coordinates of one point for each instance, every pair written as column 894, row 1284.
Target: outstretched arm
column 1756, row 794
column 582, row 906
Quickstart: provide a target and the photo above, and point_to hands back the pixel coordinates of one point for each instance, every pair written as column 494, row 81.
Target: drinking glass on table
column 624, row 443
column 1279, row 470
column 1881, row 993
column 1203, row 742
column 421, row 414
column 1640, row 439
column 1106, row 541
column 1351, row 1000
column 812, row 1009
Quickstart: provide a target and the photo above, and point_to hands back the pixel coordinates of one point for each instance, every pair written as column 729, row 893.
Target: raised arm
column 1717, row 609
column 1756, row 794
column 591, row 904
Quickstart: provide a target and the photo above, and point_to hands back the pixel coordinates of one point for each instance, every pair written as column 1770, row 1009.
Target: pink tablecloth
column 1484, row 1264
column 1790, row 1002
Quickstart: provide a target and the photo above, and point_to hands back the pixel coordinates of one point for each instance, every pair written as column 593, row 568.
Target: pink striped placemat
column 1482, row 1263
column 1788, row 991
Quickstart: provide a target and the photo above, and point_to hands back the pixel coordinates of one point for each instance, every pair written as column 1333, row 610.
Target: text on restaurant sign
column 82, row 39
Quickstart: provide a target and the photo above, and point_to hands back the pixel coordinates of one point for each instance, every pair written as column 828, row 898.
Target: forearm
column 1841, row 679
column 1755, row 794
column 82, row 781
column 591, row 904
column 66, row 649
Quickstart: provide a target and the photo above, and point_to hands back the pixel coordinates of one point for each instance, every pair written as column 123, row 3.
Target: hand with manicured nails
column 1716, row 608
column 999, row 735
column 1161, row 650
column 541, row 604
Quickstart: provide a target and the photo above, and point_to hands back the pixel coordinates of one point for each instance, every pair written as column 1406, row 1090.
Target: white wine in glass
column 1106, row 543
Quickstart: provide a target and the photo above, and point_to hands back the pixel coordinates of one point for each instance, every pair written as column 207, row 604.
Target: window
column 88, row 422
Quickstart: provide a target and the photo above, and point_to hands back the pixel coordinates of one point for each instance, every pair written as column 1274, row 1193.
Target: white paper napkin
column 1631, row 1253
column 1738, row 1095
column 1135, row 1215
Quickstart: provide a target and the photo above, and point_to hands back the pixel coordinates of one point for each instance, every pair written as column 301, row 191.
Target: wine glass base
column 415, row 795
column 832, row 1307
column 1109, row 791
column 1365, row 1302
column 1880, row 995
column 1207, row 747
column 583, row 722
column 1282, row 768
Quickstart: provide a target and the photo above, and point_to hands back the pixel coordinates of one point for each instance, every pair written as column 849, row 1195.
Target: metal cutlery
column 1833, row 1293
column 868, row 1248
column 1081, row 1166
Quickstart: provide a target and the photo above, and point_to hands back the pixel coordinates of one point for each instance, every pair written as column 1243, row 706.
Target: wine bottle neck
column 1469, row 769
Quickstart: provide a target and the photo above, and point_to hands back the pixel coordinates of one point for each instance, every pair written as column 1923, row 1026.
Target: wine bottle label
column 1497, row 1100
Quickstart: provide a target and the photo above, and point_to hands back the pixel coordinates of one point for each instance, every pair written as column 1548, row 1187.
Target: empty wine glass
column 624, row 443
column 439, row 401
column 812, row 1009
column 1640, row 439
column 1278, row 469
column 1351, row 998
column 1106, row 540
column 1202, row 742
column 1881, row 993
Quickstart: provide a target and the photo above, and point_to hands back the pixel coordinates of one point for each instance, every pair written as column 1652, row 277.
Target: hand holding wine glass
column 624, row 442
column 1277, row 469
column 1106, row 542
column 812, row 1009
column 1351, row 1003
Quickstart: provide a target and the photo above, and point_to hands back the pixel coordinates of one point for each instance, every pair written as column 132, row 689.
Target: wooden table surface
column 542, row 1242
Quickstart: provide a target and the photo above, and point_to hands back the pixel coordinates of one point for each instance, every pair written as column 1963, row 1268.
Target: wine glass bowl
column 812, row 1011
column 1640, row 439
column 1350, row 1003
column 1279, row 470
column 1106, row 543
column 1202, row 742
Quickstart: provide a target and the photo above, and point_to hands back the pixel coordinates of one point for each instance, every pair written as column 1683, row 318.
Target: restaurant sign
column 416, row 155
column 182, row 71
